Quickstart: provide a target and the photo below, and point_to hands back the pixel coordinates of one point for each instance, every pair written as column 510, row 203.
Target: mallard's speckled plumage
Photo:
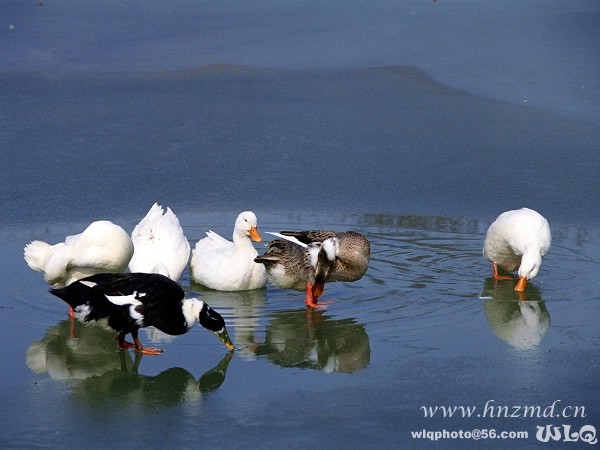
column 306, row 260
column 352, row 257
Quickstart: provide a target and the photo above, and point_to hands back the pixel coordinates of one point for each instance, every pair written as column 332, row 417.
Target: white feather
column 101, row 247
column 224, row 265
column 331, row 247
column 287, row 238
column 122, row 300
column 518, row 239
column 160, row 244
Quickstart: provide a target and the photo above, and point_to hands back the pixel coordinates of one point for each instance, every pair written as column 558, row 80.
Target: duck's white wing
column 160, row 244
column 216, row 240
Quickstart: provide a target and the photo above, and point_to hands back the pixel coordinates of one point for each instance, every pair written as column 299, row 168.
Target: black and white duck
column 138, row 300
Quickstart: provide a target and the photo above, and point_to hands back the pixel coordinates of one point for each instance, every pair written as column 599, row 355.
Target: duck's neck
column 191, row 307
column 241, row 241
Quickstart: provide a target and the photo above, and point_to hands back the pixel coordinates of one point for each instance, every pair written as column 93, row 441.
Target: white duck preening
column 102, row 247
column 160, row 246
column 517, row 239
column 229, row 266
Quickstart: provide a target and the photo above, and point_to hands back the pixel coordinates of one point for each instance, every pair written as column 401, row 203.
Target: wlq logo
column 587, row 433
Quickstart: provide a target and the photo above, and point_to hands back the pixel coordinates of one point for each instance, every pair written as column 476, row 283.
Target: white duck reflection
column 518, row 318
column 242, row 311
column 74, row 351
column 312, row 340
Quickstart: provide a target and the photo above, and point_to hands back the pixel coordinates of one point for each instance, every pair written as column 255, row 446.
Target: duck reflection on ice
column 243, row 312
column 91, row 359
column 142, row 393
column 518, row 318
column 309, row 339
column 72, row 350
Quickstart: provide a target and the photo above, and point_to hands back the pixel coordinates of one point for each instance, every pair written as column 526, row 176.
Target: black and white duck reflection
column 125, row 391
column 244, row 311
column 86, row 355
column 309, row 339
column 128, row 302
column 518, row 318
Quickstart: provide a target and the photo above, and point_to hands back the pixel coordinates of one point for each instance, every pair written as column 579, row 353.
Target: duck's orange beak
column 521, row 284
column 254, row 234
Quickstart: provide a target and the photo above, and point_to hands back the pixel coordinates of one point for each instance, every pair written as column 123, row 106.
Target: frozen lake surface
column 426, row 326
column 415, row 125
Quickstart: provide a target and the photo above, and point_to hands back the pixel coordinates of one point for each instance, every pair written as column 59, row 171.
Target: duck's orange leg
column 311, row 299
column 147, row 350
column 122, row 344
column 139, row 348
column 497, row 276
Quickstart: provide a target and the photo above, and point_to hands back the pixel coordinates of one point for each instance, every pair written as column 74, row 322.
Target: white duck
column 518, row 239
column 229, row 266
column 102, row 247
column 159, row 244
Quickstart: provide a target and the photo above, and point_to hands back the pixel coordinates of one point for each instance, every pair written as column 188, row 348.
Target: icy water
column 426, row 326
column 414, row 123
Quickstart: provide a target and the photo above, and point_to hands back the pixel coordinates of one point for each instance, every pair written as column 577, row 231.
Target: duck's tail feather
column 36, row 254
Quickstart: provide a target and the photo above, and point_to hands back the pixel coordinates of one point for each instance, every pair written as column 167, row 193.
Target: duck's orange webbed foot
column 145, row 351
column 149, row 351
